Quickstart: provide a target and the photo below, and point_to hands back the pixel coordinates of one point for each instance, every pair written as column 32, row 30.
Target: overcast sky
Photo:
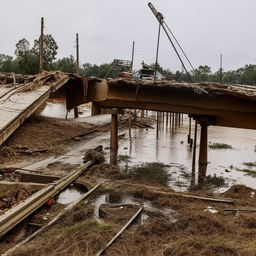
column 204, row 28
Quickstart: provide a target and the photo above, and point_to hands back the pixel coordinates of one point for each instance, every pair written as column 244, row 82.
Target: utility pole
column 77, row 69
column 77, row 54
column 133, row 47
column 41, row 47
column 221, row 75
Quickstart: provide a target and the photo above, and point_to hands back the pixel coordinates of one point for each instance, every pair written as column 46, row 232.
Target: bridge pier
column 114, row 131
column 96, row 109
column 203, row 152
column 204, row 122
column 114, row 126
column 76, row 112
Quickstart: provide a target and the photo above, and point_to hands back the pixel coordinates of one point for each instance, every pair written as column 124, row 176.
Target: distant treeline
column 27, row 62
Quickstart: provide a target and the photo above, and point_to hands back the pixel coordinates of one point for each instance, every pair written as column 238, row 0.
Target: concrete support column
column 203, row 152
column 114, row 131
column 76, row 112
column 96, row 109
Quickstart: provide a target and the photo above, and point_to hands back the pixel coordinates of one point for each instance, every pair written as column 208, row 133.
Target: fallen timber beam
column 23, row 114
column 178, row 194
column 66, row 209
column 21, row 211
column 240, row 210
column 120, row 232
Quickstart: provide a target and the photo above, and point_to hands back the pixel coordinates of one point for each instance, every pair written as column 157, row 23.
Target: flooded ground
column 171, row 148
column 57, row 108
column 115, row 200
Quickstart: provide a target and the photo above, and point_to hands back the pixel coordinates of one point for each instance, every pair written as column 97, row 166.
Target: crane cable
column 160, row 19
column 180, row 47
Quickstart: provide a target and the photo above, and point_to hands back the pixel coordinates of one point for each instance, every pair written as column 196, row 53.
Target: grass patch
column 211, row 182
column 220, row 146
column 185, row 174
column 124, row 158
column 248, row 172
column 250, row 164
column 154, row 172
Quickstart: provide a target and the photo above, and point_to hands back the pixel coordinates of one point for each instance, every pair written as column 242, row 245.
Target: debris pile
column 239, row 192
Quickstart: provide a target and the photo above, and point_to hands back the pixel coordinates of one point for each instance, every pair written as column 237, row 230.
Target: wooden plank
column 66, row 209
column 17, row 107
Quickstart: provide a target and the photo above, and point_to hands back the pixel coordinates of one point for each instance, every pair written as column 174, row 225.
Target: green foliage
column 26, row 58
column 154, row 172
column 244, row 75
column 250, row 164
column 6, row 63
column 220, row 146
column 101, row 71
column 27, row 62
column 124, row 158
column 65, row 65
column 50, row 48
column 210, row 182
column 249, row 170
column 202, row 74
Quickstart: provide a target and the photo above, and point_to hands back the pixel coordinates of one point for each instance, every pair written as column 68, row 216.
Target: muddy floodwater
column 57, row 108
column 172, row 149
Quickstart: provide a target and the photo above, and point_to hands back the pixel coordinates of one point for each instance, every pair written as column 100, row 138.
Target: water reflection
column 172, row 147
column 56, row 107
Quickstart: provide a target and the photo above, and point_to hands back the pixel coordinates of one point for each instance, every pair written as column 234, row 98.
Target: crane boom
column 158, row 15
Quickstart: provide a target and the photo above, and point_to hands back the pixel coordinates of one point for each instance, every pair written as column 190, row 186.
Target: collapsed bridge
column 216, row 104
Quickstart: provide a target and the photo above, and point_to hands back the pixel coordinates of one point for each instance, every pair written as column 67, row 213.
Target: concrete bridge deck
column 229, row 105
column 224, row 105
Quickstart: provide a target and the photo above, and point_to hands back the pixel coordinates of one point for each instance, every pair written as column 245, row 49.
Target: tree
column 98, row 71
column 26, row 58
column 6, row 63
column 66, row 65
column 202, row 74
column 247, row 74
column 50, row 48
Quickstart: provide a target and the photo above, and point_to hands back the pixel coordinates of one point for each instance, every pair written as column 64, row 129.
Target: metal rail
column 100, row 252
column 21, row 211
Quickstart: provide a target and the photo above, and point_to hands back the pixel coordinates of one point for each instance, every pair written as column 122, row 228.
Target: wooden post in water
column 130, row 125
column 142, row 113
column 203, row 158
column 114, row 131
column 194, row 156
column 96, row 109
column 189, row 130
column 157, row 125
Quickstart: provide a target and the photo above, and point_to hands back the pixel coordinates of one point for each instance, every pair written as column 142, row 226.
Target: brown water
column 57, row 108
column 171, row 148
column 131, row 200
